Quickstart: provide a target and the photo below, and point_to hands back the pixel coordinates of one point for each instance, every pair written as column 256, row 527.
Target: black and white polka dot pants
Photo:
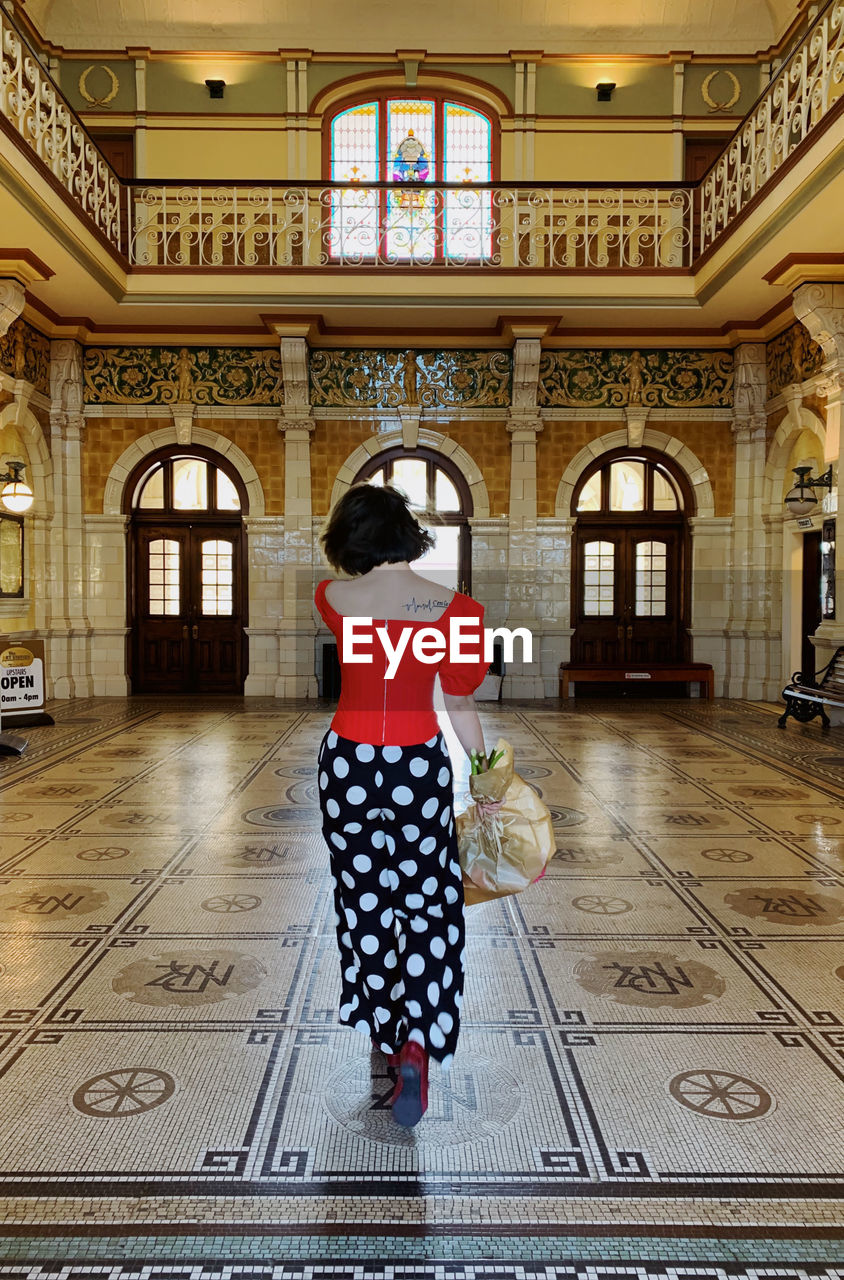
column 388, row 820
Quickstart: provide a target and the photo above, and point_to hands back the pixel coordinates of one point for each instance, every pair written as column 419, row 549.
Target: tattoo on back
column 415, row 605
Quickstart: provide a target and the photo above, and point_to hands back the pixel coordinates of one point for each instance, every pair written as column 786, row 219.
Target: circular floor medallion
column 108, row 853
column 470, row 1103
column 727, row 855
column 567, row 817
column 299, row 816
column 128, row 1092
column 186, row 979
column 721, row 1095
column 231, row 903
column 649, row 978
column 782, row 905
column 600, row 905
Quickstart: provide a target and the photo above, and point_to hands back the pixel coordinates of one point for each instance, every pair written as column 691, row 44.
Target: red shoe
column 410, row 1100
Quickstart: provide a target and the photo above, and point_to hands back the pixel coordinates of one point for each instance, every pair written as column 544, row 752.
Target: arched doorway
column 440, row 496
column 630, row 569
column 187, row 604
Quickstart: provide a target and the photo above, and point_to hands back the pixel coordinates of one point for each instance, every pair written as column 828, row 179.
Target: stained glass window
column 408, row 143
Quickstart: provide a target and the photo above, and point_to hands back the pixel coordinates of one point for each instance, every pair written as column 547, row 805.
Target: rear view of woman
column 385, row 785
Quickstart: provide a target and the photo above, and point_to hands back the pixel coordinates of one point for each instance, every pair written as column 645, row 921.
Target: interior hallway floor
column 650, row 1080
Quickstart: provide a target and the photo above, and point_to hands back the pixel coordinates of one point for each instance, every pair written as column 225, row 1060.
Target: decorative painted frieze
column 792, row 357
column 25, row 354
column 654, row 379
column 183, row 375
column 390, row 379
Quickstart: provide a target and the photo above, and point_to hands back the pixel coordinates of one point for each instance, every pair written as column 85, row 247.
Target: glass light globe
column 800, row 501
column 16, row 497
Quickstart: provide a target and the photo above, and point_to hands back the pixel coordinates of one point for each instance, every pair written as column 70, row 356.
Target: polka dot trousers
column 388, row 820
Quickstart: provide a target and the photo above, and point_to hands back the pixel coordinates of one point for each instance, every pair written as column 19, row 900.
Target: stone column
column 296, row 669
column 524, row 425
column 820, row 307
column 68, row 631
column 749, row 629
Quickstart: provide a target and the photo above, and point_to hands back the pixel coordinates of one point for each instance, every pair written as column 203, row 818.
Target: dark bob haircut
column 372, row 524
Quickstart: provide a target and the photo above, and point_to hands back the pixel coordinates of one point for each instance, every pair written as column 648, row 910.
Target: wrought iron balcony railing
column 305, row 225
column 508, row 227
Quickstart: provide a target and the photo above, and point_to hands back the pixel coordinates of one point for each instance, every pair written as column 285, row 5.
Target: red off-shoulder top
column 400, row 711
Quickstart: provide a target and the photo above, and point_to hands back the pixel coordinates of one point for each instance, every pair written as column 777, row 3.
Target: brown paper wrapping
column 502, row 853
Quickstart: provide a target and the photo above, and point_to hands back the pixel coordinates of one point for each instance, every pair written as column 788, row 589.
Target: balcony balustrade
column 503, row 226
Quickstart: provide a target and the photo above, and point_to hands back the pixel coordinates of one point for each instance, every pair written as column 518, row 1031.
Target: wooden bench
column 805, row 699
column 671, row 672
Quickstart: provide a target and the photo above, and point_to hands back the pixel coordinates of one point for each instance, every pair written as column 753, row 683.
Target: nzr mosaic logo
column 463, row 640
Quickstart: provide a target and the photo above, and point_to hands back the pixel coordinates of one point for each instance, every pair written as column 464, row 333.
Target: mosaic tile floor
column 651, row 1076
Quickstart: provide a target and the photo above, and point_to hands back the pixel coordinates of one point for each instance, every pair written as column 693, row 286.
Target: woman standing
column 385, row 784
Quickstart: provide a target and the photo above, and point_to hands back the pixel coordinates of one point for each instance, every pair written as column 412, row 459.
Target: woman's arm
column 463, row 715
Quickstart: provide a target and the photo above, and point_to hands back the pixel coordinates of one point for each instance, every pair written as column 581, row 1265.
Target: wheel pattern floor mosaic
column 651, row 1073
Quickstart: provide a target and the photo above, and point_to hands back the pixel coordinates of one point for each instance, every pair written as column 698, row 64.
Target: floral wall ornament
column 390, row 379
column 654, row 379
column 792, row 356
column 25, row 355
column 183, row 375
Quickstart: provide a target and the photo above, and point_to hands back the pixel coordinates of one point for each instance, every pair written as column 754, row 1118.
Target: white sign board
column 21, row 677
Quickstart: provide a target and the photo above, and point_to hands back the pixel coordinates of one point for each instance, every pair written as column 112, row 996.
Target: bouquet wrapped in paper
column 503, row 851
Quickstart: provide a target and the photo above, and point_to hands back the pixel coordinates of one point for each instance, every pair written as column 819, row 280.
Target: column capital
column 526, row 425
column 820, row 307
column 12, row 298
column 296, row 425
column 750, row 429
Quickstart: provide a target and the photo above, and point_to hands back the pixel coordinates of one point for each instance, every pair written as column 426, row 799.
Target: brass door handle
column 620, row 632
column 630, row 632
column 185, row 632
column 195, row 631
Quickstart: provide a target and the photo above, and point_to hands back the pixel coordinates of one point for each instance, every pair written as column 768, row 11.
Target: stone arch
column 38, row 461
column 449, row 448
column 673, row 448
column 462, row 86
column 798, row 420
column 139, row 449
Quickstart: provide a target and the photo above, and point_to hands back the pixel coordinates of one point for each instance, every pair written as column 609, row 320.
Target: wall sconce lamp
column 16, row 494
column 216, row 88
column 605, row 89
column 801, row 499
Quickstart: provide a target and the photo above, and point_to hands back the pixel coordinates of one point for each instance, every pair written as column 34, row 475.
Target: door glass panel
column 598, row 579
column 445, row 494
column 217, row 578
column 227, row 497
column 152, row 495
column 378, row 478
column 590, row 494
column 190, row 484
column 627, row 486
column 651, row 579
column 164, row 577
column 442, row 562
column 411, row 476
column 665, row 499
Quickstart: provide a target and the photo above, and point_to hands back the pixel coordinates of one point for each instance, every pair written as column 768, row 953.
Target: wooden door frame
column 632, row 520
column 167, row 518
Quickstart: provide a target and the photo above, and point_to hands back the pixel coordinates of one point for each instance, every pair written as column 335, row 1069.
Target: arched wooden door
column 187, row 576
column 630, row 571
